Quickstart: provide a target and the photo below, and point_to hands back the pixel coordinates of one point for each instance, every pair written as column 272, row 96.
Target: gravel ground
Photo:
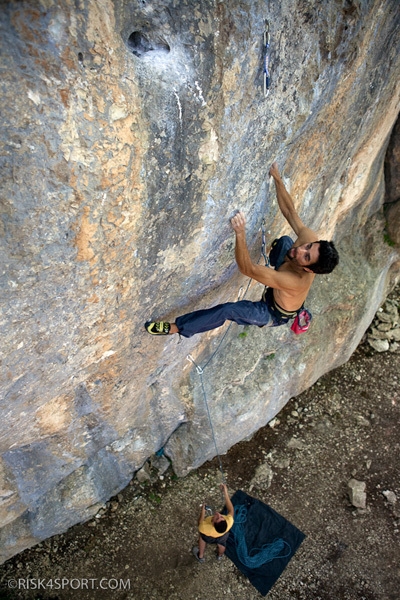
column 346, row 426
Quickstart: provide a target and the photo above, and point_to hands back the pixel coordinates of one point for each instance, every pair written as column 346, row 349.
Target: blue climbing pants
column 243, row 312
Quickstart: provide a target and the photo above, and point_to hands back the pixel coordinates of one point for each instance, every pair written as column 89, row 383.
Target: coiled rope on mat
column 257, row 556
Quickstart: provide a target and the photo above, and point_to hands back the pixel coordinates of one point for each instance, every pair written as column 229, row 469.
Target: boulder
column 390, row 497
column 357, row 494
column 379, row 345
column 262, row 477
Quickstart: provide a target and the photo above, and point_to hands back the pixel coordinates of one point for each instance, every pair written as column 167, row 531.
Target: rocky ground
column 346, row 427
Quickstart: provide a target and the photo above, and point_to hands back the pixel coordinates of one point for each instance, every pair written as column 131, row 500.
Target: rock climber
column 214, row 529
column 286, row 286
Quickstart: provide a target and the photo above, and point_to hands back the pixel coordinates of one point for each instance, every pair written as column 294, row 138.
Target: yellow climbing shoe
column 158, row 327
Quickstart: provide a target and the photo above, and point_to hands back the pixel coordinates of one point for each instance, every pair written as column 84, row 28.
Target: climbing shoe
column 195, row 552
column 158, row 327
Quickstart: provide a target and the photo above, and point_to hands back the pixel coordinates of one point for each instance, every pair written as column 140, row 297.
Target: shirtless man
column 287, row 285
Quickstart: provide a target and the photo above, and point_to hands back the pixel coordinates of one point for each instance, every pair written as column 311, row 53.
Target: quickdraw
column 267, row 79
column 264, row 244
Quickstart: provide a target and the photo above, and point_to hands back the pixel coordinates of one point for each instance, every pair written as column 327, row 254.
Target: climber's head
column 316, row 257
column 328, row 258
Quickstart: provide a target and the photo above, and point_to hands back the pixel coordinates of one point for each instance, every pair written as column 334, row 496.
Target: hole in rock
column 139, row 43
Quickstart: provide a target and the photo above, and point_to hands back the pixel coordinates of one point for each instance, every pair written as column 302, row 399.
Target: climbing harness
column 266, row 59
column 257, row 556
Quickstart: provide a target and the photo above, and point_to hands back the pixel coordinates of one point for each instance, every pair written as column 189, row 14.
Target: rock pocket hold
column 140, row 43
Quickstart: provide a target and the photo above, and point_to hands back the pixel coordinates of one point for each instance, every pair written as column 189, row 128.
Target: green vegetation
column 388, row 240
column 245, row 332
column 155, row 497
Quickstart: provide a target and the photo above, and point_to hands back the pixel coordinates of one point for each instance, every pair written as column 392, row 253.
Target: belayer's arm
column 202, row 513
column 228, row 503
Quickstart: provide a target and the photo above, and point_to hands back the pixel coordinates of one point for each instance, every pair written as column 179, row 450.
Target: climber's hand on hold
column 274, row 171
column 238, row 222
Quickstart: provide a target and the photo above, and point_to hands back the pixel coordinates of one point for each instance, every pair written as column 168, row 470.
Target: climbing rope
column 257, row 556
column 200, row 370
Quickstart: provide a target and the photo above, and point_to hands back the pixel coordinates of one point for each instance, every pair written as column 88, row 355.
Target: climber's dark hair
column 221, row 526
column 327, row 260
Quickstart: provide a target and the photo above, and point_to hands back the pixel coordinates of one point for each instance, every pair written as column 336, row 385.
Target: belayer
column 215, row 529
column 287, row 285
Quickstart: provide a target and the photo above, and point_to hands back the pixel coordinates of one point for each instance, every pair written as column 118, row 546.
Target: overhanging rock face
column 132, row 131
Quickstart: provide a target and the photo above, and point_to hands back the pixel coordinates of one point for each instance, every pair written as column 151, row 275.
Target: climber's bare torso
column 291, row 298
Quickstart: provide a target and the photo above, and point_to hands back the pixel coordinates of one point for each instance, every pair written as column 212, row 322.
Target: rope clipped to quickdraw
column 263, row 244
column 267, row 79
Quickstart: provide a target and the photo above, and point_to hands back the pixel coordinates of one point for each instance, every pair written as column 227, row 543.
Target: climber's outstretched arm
column 281, row 281
column 288, row 210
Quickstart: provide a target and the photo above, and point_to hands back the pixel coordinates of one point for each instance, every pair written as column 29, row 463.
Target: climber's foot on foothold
column 158, row 327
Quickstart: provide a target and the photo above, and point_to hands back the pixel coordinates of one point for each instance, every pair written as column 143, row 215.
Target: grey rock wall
column 392, row 188
column 132, row 131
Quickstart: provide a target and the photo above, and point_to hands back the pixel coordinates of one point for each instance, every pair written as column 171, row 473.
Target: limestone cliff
column 132, row 130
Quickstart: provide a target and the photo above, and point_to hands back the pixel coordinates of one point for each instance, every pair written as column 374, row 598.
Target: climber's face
column 305, row 255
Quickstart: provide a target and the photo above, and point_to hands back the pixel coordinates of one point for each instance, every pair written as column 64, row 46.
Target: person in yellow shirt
column 214, row 529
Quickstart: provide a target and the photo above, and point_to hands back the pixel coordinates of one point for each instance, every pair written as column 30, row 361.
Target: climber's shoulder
column 305, row 235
